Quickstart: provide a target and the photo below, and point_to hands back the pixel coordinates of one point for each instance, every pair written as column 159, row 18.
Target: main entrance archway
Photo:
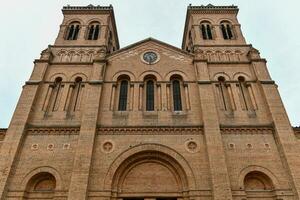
column 151, row 172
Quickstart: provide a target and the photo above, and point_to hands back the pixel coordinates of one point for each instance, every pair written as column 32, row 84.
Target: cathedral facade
column 150, row 121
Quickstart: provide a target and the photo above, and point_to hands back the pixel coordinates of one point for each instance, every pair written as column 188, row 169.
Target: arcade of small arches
column 149, row 173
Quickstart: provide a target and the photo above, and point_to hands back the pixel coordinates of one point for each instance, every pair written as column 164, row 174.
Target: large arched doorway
column 150, row 175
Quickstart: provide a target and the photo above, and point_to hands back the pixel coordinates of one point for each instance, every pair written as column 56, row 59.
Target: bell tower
column 88, row 26
column 211, row 25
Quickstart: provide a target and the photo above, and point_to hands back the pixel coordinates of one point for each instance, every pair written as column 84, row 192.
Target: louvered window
column 150, row 96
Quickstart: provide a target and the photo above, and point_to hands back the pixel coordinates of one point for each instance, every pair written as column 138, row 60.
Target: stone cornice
column 192, row 130
column 53, row 131
column 90, row 8
column 244, row 129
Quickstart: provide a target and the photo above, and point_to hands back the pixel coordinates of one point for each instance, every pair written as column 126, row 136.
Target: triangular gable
column 155, row 41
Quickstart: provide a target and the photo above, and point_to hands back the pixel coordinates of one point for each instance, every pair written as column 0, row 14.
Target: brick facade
column 223, row 134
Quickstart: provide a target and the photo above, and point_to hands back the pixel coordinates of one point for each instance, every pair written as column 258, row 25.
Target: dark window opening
column 206, row 31
column 150, row 96
column 123, row 96
column 73, row 31
column 93, row 32
column 177, row 96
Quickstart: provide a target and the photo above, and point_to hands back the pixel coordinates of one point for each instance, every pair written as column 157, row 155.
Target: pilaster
column 213, row 139
column 78, row 189
column 284, row 134
column 17, row 127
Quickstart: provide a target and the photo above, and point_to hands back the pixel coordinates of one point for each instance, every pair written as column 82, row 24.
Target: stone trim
column 53, row 131
column 32, row 82
column 150, row 130
column 247, row 130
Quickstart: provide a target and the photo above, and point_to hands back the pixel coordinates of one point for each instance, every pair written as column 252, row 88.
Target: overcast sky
column 27, row 27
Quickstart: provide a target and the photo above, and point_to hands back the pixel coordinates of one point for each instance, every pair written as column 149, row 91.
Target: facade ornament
column 46, row 54
column 253, row 54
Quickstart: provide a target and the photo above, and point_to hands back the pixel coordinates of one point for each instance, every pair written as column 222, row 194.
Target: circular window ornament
column 191, row 146
column 150, row 57
column 108, row 146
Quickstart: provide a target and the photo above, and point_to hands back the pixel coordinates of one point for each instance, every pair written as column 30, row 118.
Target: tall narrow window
column 206, row 30
column 73, row 30
column 150, row 95
column 53, row 96
column 224, row 94
column 177, row 96
column 226, row 29
column 93, row 31
column 74, row 99
column 123, row 95
column 245, row 94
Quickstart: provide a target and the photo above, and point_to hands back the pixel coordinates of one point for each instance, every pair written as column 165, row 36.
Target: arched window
column 75, row 95
column 150, row 95
column 93, row 31
column 206, row 30
column 244, row 94
column 176, row 95
column 226, row 29
column 53, row 96
column 224, row 94
column 123, row 95
column 73, row 31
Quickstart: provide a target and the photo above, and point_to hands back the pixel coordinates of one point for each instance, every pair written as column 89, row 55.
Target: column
column 213, row 138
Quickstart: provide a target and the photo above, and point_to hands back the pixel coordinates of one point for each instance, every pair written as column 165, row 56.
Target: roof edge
column 148, row 40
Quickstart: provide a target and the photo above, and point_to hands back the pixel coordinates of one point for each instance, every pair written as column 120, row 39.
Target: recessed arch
column 255, row 168
column 176, row 72
column 150, row 72
column 41, row 170
column 95, row 20
column 219, row 74
column 155, row 152
column 82, row 75
column 54, row 76
column 243, row 74
column 74, row 20
column 116, row 76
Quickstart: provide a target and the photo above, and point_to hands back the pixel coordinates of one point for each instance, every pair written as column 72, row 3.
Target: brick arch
column 245, row 75
column 82, row 75
column 50, row 170
column 217, row 75
column 54, row 76
column 176, row 72
column 260, row 169
column 94, row 20
column 150, row 72
column 67, row 23
column 116, row 76
column 168, row 157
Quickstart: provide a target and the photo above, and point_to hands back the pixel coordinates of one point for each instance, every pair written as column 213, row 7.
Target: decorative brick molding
column 53, row 131
column 150, row 130
column 247, row 130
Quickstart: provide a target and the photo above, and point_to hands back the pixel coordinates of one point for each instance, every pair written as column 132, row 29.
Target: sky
column 28, row 27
